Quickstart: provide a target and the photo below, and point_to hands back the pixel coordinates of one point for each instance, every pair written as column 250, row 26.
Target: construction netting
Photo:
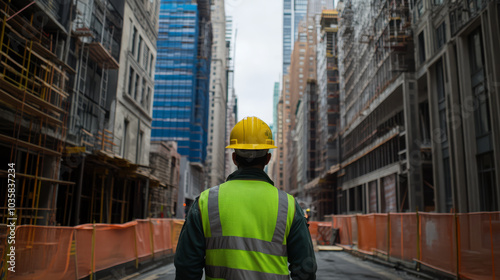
column 479, row 245
column 403, row 236
column 463, row 245
column 77, row 252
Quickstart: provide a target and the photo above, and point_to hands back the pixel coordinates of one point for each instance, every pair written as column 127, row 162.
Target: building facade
column 215, row 162
column 457, row 73
column 133, row 106
column 83, row 158
column 419, row 133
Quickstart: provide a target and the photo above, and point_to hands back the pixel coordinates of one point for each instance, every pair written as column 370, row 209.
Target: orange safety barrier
column 313, row 229
column 464, row 245
column 44, row 253
column 144, row 239
column 3, row 246
column 437, row 241
column 162, row 240
column 324, row 235
column 479, row 246
column 344, row 224
column 76, row 252
column 382, row 232
column 176, row 231
column 403, row 236
column 367, row 233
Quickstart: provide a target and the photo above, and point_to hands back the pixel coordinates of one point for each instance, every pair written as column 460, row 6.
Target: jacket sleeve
column 189, row 257
column 300, row 248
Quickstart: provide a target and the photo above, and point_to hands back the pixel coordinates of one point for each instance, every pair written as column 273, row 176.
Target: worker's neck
column 251, row 167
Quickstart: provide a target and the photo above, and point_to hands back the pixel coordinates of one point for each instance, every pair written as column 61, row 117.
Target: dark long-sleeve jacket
column 190, row 254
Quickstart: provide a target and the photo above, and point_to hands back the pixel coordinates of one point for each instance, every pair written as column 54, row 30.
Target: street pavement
column 331, row 265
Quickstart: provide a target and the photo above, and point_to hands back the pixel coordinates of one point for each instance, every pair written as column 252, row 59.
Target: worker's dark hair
column 246, row 162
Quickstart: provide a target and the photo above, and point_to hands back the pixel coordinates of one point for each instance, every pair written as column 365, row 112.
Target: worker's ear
column 234, row 159
column 268, row 158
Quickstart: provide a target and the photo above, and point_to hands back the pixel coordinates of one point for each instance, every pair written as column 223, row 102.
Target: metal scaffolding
column 33, row 94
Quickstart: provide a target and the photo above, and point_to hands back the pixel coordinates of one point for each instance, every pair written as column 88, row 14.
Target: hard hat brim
column 251, row 146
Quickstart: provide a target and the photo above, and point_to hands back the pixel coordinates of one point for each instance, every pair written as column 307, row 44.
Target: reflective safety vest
column 246, row 225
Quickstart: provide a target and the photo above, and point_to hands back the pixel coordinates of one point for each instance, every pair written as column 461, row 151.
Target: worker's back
column 246, row 224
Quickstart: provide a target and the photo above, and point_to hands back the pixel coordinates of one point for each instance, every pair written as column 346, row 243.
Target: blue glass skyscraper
column 293, row 12
column 180, row 107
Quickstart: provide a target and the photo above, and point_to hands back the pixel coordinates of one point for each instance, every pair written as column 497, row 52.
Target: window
column 136, row 87
column 143, row 92
column 124, row 138
column 441, row 35
column 421, row 47
column 134, row 37
column 139, row 147
column 130, row 81
column 145, row 58
column 148, row 100
column 487, row 190
column 151, row 62
column 139, row 49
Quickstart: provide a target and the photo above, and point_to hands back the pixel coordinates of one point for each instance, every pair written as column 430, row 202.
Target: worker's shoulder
column 212, row 188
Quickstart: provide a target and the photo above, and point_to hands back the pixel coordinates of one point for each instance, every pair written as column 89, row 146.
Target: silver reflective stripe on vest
column 279, row 230
column 232, row 273
column 246, row 244
column 213, row 212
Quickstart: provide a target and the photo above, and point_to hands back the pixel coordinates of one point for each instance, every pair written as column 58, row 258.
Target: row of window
column 139, row 89
column 141, row 52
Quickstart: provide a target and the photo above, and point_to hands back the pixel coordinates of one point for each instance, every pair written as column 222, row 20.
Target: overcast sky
column 258, row 54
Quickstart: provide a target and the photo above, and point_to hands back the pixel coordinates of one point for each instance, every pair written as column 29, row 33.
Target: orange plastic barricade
column 324, row 234
column 367, row 233
column 143, row 239
column 344, row 223
column 479, row 245
column 44, row 253
column 404, row 236
column 114, row 245
column 161, row 235
column 3, row 243
column 101, row 246
column 84, row 249
column 313, row 229
column 354, row 229
column 438, row 243
column 381, row 230
column 176, row 231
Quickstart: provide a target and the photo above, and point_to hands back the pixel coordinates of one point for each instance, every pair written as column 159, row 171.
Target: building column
column 410, row 105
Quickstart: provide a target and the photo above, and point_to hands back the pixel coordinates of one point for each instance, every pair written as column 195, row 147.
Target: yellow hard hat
column 251, row 133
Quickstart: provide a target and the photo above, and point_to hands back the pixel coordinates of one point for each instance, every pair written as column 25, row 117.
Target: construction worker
column 246, row 228
column 308, row 214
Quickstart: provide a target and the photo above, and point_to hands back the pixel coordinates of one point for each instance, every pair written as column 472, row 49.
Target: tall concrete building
column 320, row 190
column 456, row 84
column 302, row 71
column 418, row 118
column 276, row 99
column 133, row 105
column 232, row 99
column 181, row 100
column 274, row 128
column 215, row 162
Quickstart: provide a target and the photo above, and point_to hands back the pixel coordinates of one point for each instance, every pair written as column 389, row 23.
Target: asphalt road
column 331, row 265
